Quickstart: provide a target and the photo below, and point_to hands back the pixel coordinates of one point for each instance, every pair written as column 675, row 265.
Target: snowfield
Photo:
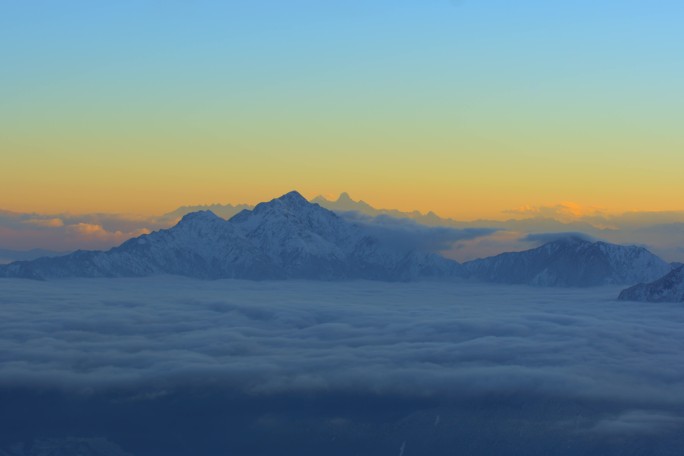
column 170, row 365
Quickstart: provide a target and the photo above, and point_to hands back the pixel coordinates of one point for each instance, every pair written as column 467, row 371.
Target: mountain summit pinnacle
column 293, row 197
column 290, row 203
column 344, row 198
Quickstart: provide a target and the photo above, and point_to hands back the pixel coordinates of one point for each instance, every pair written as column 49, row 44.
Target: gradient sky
column 468, row 108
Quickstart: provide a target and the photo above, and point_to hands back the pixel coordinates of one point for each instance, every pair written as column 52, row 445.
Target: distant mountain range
column 662, row 232
column 224, row 211
column 344, row 203
column 291, row 238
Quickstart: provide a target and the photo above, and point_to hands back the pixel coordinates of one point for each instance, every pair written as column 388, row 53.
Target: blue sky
column 138, row 105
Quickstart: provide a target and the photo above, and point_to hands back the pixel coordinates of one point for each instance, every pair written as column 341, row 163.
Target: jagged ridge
column 290, row 237
column 573, row 262
column 287, row 237
column 669, row 288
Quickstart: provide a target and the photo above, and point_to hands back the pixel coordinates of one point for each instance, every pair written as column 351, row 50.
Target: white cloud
column 287, row 336
column 54, row 222
column 564, row 211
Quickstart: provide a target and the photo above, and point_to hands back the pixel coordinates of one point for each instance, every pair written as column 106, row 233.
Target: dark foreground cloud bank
column 167, row 366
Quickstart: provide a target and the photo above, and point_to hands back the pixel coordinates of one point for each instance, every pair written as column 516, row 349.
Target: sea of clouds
column 169, row 365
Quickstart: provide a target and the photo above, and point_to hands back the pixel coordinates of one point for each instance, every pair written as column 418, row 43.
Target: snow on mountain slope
column 287, row 237
column 571, row 262
column 669, row 288
column 201, row 245
column 290, row 237
column 300, row 237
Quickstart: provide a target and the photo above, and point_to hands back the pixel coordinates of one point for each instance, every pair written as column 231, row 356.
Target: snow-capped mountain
column 290, row 237
column 571, row 262
column 287, row 237
column 669, row 288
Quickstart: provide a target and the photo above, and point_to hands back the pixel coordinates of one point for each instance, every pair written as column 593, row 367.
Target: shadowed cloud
column 543, row 238
column 231, row 363
column 411, row 235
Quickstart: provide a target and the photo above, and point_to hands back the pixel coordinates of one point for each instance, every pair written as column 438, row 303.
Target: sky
column 467, row 108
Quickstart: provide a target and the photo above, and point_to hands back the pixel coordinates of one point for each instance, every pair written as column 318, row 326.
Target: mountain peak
column 292, row 202
column 287, row 237
column 200, row 216
column 292, row 198
column 345, row 198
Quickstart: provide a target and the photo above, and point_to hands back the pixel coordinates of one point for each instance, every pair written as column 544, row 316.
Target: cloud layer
column 587, row 367
column 408, row 234
column 413, row 339
column 63, row 232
